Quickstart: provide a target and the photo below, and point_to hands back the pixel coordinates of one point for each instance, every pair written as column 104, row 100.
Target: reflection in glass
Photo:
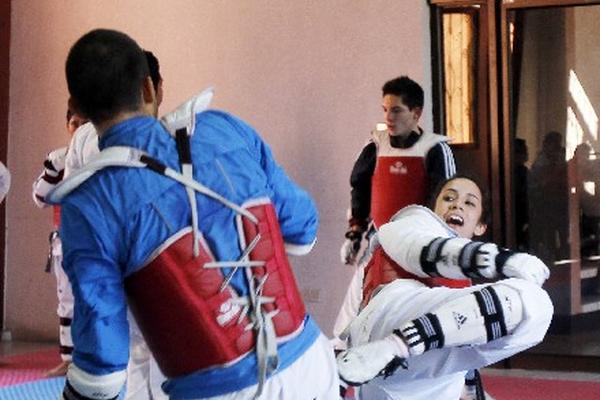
column 554, row 103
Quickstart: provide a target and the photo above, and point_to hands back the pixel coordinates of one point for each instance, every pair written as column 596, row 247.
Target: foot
column 59, row 370
column 360, row 364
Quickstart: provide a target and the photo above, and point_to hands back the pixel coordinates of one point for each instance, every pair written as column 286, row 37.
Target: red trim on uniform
column 56, row 216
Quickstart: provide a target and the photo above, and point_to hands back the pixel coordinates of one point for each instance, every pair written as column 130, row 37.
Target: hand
column 55, row 161
column 350, row 250
column 485, row 260
column 526, row 266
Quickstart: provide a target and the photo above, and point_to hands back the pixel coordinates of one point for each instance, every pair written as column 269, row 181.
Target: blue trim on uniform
column 113, row 221
column 243, row 374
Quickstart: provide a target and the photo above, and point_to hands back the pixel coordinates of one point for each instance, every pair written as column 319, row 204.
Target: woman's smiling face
column 460, row 205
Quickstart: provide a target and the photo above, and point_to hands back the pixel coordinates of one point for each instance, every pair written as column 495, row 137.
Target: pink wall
column 307, row 74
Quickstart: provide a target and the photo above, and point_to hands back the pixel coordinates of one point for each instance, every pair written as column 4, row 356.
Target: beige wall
column 306, row 73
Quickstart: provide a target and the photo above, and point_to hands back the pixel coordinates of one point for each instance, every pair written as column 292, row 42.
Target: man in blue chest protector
column 189, row 227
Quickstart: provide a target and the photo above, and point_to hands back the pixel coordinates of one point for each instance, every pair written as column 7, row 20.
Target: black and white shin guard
column 66, row 341
column 476, row 318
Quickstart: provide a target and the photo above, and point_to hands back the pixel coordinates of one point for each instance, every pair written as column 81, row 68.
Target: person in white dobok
column 51, row 175
column 413, row 340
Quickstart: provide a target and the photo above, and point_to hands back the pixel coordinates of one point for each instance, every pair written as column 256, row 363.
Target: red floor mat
column 514, row 388
column 26, row 367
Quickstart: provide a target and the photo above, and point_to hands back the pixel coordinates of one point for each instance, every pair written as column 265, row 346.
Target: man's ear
column 72, row 105
column 418, row 111
column 480, row 229
column 148, row 93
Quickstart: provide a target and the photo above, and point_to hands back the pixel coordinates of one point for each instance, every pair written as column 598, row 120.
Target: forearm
column 422, row 244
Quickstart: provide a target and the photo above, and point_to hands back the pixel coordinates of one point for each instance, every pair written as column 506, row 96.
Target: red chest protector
column 400, row 178
column 192, row 319
column 381, row 270
column 397, row 182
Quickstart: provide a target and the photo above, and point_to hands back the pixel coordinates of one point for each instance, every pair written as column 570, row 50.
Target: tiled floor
column 562, row 357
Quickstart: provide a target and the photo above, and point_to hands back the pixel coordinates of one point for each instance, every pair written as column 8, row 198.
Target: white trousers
column 64, row 295
column 440, row 373
column 350, row 307
column 311, row 377
column 144, row 378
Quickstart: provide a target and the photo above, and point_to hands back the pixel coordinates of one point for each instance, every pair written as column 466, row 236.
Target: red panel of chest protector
column 176, row 303
column 281, row 283
column 381, row 270
column 397, row 182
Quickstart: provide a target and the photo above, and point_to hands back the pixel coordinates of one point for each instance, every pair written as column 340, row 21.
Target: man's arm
column 296, row 210
column 51, row 175
column 440, row 165
column 100, row 328
column 360, row 181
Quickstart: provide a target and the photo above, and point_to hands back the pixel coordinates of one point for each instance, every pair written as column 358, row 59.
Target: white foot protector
column 360, row 364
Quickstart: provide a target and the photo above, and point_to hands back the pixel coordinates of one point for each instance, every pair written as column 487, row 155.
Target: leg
column 495, row 321
column 64, row 311
column 349, row 309
column 138, row 367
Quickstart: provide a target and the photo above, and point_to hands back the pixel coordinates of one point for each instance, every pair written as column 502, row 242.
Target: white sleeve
column 420, row 242
column 51, row 175
column 84, row 144
column 4, row 181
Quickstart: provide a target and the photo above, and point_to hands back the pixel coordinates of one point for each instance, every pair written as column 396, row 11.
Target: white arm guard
column 81, row 385
column 420, row 242
column 52, row 174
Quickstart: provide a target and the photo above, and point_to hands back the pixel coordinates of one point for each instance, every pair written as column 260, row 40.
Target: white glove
column 360, row 364
column 349, row 251
column 526, row 266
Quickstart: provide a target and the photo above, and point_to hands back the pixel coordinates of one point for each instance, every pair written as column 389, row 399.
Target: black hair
column 153, row 68
column 408, row 90
column 485, row 201
column 105, row 71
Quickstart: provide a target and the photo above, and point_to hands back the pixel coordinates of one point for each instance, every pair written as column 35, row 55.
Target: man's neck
column 107, row 124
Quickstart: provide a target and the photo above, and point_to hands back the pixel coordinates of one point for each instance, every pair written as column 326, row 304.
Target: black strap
column 501, row 258
column 183, row 146
column 429, row 332
column 153, row 164
column 467, row 259
column 491, row 310
column 431, row 254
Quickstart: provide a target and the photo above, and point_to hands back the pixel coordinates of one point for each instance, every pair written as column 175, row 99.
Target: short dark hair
column 408, row 90
column 153, row 68
column 105, row 71
column 485, row 201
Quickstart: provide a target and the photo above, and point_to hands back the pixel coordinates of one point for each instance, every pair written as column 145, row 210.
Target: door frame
column 5, row 24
